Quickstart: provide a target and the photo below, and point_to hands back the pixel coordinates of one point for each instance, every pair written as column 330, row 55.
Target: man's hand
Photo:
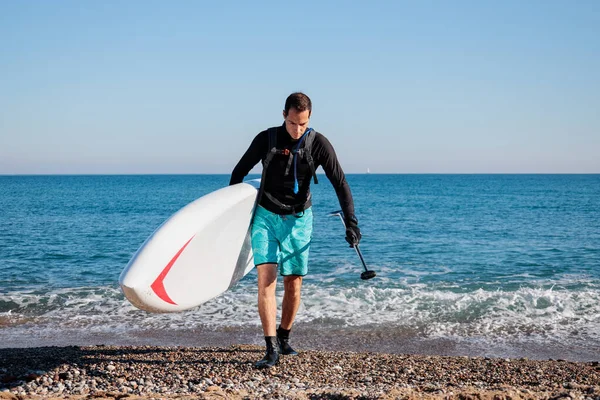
column 353, row 235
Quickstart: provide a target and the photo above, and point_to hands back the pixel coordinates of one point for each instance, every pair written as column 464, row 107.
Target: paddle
column 367, row 274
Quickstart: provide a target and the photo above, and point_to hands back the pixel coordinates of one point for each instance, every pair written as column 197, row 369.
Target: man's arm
column 333, row 170
column 250, row 158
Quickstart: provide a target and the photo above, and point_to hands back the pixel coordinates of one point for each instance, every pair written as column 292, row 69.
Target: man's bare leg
column 291, row 303
column 291, row 300
column 267, row 309
column 267, row 305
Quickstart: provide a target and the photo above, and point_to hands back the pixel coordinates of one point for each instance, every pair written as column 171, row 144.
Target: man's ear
column 284, row 114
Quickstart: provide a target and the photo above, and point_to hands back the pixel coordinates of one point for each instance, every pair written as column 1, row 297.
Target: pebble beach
column 76, row 372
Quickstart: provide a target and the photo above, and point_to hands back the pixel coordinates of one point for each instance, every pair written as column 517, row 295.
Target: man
column 282, row 224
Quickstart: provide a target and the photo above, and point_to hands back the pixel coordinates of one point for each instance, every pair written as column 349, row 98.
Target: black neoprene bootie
column 271, row 357
column 284, row 342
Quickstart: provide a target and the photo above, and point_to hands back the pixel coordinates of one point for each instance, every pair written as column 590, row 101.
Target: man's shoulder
column 320, row 139
column 266, row 131
column 272, row 130
column 264, row 134
column 264, row 140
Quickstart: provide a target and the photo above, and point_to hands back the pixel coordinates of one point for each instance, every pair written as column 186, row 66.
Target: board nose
column 134, row 298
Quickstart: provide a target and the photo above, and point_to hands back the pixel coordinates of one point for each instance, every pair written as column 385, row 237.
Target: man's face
column 296, row 122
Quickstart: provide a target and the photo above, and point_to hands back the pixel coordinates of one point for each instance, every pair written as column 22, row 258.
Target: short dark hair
column 299, row 101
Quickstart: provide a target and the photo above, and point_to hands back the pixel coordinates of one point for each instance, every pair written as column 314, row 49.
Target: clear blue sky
column 397, row 87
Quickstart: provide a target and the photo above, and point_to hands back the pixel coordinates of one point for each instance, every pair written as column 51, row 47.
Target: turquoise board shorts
column 283, row 240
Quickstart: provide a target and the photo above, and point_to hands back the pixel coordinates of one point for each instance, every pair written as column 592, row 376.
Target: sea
column 467, row 265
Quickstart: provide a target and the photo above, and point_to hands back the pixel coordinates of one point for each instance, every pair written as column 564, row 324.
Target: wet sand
column 228, row 372
column 314, row 336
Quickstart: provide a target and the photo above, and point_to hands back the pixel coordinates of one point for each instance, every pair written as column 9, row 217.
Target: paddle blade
column 368, row 275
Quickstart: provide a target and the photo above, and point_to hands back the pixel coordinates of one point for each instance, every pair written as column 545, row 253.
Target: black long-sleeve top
column 281, row 186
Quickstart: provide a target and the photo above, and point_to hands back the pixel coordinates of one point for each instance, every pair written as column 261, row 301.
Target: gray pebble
column 179, row 372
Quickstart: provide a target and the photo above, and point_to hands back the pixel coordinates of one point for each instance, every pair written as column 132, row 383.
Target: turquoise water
column 479, row 264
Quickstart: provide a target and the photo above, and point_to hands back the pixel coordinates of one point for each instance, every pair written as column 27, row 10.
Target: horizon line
column 320, row 173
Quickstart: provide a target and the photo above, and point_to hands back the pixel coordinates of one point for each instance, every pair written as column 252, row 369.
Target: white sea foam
column 417, row 308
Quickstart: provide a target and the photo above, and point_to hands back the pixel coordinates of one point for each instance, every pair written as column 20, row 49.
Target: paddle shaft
column 339, row 214
column 361, row 257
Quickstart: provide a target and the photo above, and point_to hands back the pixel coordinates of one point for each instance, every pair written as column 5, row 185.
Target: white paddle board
column 195, row 255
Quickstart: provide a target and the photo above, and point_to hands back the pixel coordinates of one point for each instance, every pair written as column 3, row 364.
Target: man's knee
column 292, row 282
column 267, row 276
